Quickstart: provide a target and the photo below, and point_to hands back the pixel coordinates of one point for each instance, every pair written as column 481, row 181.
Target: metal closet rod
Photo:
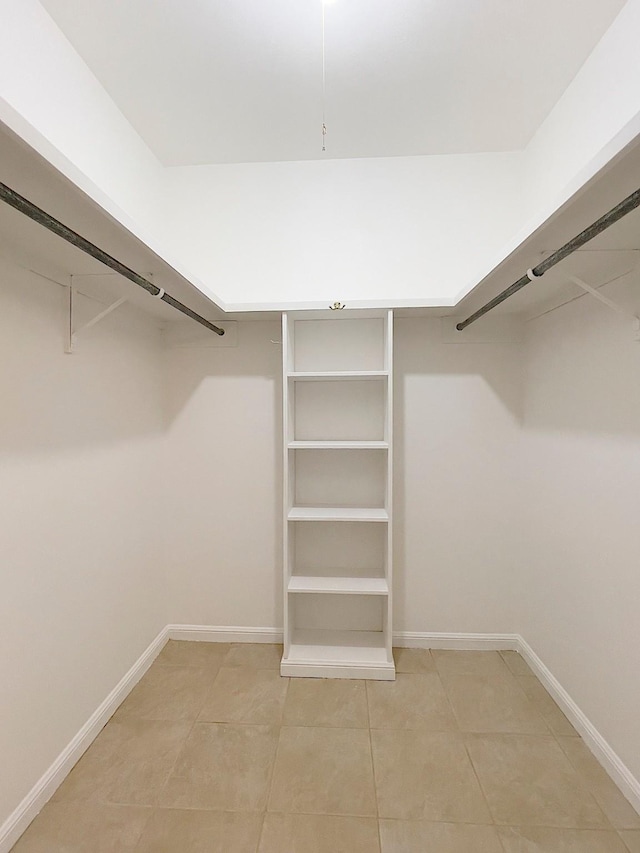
column 29, row 209
column 630, row 203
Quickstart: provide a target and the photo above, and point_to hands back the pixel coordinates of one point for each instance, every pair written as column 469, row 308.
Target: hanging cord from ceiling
column 324, row 83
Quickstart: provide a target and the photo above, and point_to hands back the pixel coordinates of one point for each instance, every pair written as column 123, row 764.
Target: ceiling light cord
column 324, row 86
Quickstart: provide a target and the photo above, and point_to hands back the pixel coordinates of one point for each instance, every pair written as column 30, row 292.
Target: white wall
column 457, row 422
column 223, row 462
column 80, row 552
column 48, row 94
column 400, row 229
column 456, row 431
column 603, row 97
column 579, row 585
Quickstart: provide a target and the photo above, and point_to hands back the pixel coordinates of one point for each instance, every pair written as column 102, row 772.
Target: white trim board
column 605, row 754
column 224, row 634
column 50, row 781
column 460, row 642
column 45, row 787
column 403, row 639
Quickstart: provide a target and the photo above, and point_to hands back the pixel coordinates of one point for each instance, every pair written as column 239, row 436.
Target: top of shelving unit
column 341, row 314
column 339, row 344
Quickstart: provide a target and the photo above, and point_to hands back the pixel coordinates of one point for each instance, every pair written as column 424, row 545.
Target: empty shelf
column 324, row 513
column 347, row 375
column 338, row 445
column 338, row 585
column 338, row 654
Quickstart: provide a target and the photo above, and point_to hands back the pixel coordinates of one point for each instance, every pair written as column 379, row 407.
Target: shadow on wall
column 255, row 356
column 583, row 366
column 458, row 414
column 224, row 461
column 108, row 391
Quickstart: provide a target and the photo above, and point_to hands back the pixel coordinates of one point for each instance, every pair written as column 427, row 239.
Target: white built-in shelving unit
column 338, row 396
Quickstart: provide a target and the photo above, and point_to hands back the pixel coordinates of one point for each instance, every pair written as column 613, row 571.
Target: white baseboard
column 43, row 790
column 461, row 642
column 608, row 758
column 46, row 786
column 405, row 639
column 215, row 634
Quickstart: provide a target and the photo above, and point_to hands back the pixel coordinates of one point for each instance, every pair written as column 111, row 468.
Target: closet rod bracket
column 71, row 332
column 619, row 309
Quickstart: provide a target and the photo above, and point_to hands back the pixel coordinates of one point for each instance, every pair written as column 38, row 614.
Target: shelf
column 337, row 484
column 324, row 513
column 338, row 654
column 338, row 445
column 338, row 585
column 346, row 375
column 346, row 647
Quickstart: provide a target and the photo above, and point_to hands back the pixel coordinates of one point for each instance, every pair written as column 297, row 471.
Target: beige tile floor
column 214, row 752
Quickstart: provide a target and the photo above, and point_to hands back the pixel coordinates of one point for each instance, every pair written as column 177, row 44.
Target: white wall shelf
column 339, row 585
column 345, row 654
column 338, row 445
column 337, row 513
column 339, row 376
column 337, row 397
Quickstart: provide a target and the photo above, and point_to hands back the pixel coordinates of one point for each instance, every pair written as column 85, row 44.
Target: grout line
column 173, row 766
column 463, row 737
column 530, row 703
column 275, row 759
column 261, row 833
column 583, row 781
column 152, row 812
column 373, row 769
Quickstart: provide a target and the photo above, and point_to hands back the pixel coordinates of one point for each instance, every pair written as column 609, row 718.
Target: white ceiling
column 219, row 81
column 610, row 255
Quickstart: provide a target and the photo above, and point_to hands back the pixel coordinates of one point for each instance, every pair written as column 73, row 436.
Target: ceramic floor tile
column 293, row 833
column 412, row 701
column 616, row 807
column 468, row 663
column 529, row 781
column 82, row 827
column 326, row 702
column 516, row 663
column 426, row 775
column 257, row 655
column 413, row 660
column 545, row 840
column 181, row 653
column 632, row 840
column 192, row 831
column 169, row 693
column 223, row 767
column 245, row 695
column 492, row 703
column 553, row 716
column 418, row 836
column 128, row 763
column 323, row 771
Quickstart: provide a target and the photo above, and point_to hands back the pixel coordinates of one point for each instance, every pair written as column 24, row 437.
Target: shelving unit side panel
column 287, row 435
column 388, row 621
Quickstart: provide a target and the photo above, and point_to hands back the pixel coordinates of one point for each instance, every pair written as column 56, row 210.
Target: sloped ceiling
column 213, row 81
